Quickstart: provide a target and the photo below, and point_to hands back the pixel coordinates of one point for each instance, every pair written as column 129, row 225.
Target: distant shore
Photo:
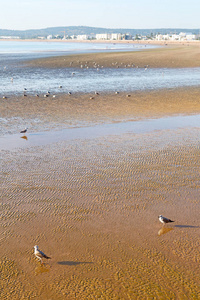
column 145, row 42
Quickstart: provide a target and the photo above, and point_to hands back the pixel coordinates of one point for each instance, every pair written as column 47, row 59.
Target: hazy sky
column 34, row 14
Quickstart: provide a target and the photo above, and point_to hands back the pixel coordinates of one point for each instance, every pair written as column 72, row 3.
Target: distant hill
column 91, row 31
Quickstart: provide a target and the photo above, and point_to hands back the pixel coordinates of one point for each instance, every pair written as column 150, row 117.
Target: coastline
column 167, row 42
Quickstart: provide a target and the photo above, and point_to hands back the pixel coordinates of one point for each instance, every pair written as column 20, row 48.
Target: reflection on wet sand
column 42, row 268
column 164, row 230
column 24, row 137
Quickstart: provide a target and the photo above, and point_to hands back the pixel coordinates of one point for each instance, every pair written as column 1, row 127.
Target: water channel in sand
column 9, row 142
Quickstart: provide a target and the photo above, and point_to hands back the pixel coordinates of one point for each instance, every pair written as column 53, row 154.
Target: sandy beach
column 167, row 56
column 92, row 204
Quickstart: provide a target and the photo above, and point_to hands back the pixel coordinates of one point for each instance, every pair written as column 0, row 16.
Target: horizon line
column 118, row 28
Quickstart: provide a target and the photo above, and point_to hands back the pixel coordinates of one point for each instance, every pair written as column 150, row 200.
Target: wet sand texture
column 179, row 56
column 65, row 111
column 93, row 206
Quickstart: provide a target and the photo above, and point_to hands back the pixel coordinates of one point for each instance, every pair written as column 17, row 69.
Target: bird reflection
column 164, row 230
column 24, row 137
column 42, row 269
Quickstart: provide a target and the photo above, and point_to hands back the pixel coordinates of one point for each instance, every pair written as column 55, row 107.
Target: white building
column 182, row 36
column 116, row 36
column 49, row 37
column 9, row 37
column 175, row 37
column 82, row 37
column 191, row 37
column 103, row 36
column 162, row 37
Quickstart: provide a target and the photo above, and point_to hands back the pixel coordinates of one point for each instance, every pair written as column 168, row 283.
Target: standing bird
column 39, row 254
column 24, row 131
column 164, row 220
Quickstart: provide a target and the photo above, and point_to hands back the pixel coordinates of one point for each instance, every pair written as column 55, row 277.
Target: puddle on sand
column 9, row 142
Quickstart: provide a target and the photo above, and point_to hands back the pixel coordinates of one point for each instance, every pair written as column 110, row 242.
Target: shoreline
column 153, row 42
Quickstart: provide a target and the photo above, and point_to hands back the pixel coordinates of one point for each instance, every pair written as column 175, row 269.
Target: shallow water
column 8, row 142
column 15, row 76
column 38, row 80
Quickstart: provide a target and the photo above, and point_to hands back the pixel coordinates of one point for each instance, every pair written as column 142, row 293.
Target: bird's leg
column 40, row 259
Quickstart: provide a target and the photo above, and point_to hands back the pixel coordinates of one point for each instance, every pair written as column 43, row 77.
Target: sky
column 37, row 14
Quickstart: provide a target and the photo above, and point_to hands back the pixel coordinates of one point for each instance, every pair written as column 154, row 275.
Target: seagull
column 39, row 254
column 24, row 131
column 164, row 220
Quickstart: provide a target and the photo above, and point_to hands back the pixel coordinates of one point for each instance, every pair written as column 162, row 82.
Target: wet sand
column 170, row 56
column 93, row 205
column 66, row 111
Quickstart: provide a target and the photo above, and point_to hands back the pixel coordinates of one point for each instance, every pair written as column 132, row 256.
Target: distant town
column 84, row 33
column 182, row 36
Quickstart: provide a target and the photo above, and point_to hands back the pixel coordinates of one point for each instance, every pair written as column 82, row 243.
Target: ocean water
column 15, row 76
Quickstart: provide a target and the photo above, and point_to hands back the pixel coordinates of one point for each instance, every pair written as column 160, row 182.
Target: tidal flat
column 168, row 56
column 92, row 205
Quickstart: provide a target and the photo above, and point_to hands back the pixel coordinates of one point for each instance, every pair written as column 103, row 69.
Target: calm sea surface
column 15, row 76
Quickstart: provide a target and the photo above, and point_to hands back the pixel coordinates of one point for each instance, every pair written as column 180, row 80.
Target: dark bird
column 24, row 131
column 164, row 220
column 39, row 254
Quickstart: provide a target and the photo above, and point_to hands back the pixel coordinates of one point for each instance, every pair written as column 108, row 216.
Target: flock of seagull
column 48, row 93
column 85, row 65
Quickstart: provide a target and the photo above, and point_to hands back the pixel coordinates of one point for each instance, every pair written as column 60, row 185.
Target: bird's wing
column 43, row 255
column 166, row 220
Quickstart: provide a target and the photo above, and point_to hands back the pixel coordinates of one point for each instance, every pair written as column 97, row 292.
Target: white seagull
column 164, row 220
column 24, row 131
column 39, row 254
